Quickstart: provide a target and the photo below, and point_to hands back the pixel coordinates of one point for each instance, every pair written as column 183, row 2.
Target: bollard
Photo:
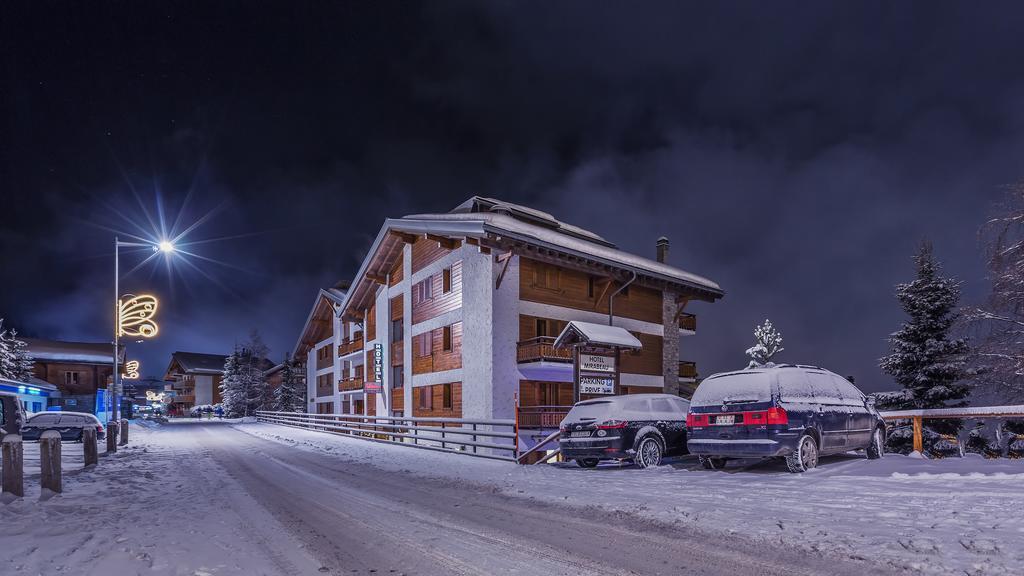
column 124, row 432
column 112, row 437
column 13, row 463
column 89, row 446
column 49, row 461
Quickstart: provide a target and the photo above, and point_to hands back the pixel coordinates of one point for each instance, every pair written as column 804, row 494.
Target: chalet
column 76, row 369
column 195, row 380
column 456, row 315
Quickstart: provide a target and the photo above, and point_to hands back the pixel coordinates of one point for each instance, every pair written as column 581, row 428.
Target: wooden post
column 49, row 461
column 918, row 441
column 124, row 432
column 89, row 446
column 13, row 463
column 112, row 437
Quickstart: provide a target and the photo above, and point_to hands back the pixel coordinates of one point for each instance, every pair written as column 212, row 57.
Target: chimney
column 662, row 246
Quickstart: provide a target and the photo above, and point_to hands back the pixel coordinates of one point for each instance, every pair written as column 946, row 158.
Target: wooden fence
column 917, row 417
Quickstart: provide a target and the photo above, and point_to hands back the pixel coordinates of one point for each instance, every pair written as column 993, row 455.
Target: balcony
column 349, row 384
column 688, row 370
column 184, row 399
column 688, row 322
column 541, row 349
column 351, row 345
column 541, row 417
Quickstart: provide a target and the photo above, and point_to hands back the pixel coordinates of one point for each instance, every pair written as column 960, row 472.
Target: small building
column 195, row 380
column 76, row 369
column 34, row 394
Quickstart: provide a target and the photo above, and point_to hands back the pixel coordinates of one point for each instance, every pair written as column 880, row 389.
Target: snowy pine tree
column 767, row 343
column 8, row 362
column 257, row 392
column 289, row 396
column 15, row 363
column 925, row 360
column 231, row 393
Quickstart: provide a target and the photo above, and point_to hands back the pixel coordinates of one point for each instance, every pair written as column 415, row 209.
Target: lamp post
column 133, row 317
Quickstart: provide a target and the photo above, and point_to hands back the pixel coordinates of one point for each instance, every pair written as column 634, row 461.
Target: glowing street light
column 165, row 246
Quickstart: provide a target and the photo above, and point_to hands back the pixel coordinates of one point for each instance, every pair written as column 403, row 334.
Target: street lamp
column 132, row 317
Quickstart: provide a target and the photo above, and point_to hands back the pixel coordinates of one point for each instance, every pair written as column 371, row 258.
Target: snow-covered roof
column 33, row 381
column 77, row 352
column 596, row 334
column 198, row 363
column 336, row 297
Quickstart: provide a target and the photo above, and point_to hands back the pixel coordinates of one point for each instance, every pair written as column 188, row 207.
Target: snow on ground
column 158, row 506
column 954, row 516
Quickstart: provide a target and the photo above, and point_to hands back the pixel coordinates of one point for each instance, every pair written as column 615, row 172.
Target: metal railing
column 541, row 348
column 458, row 435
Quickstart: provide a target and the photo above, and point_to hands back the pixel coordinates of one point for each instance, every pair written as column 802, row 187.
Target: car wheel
column 805, row 456
column 587, row 462
column 648, row 452
column 712, row 462
column 876, row 449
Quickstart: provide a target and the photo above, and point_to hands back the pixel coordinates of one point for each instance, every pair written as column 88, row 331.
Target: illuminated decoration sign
column 378, row 362
column 131, row 370
column 152, row 396
column 135, row 317
column 596, row 363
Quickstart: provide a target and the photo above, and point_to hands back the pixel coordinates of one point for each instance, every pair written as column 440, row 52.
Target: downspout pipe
column 611, row 299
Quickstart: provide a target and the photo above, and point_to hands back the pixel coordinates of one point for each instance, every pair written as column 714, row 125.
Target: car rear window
column 733, row 388
column 44, row 419
column 590, row 410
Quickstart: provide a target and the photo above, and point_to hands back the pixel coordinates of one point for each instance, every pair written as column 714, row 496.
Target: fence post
column 49, row 461
column 124, row 432
column 442, row 435
column 89, row 446
column 112, row 437
column 918, row 441
column 474, row 438
column 13, row 459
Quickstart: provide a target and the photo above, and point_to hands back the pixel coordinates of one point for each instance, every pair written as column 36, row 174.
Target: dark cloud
column 795, row 153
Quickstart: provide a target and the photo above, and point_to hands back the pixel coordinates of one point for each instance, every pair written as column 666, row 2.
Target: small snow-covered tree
column 289, row 396
column 257, row 392
column 15, row 363
column 767, row 343
column 925, row 359
column 231, row 391
column 7, row 359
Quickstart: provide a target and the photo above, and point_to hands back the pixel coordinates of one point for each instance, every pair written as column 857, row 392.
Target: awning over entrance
column 591, row 334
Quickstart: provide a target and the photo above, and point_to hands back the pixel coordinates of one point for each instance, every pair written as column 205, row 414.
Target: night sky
column 794, row 153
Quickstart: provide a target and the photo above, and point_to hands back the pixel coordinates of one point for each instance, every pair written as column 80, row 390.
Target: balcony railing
column 542, row 416
column 350, row 345
column 688, row 322
column 184, row 399
column 353, row 383
column 687, row 369
column 541, row 348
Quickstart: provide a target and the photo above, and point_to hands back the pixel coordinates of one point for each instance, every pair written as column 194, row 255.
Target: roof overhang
column 323, row 311
column 592, row 334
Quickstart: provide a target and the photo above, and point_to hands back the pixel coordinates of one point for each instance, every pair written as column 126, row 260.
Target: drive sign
column 597, row 385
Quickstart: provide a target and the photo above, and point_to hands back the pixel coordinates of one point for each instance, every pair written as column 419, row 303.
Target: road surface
column 357, row 519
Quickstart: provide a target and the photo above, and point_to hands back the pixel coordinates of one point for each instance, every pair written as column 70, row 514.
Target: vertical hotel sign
column 378, row 362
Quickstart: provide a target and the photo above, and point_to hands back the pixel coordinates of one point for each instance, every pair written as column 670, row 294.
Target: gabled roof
column 77, row 352
column 195, row 363
column 313, row 328
column 577, row 332
column 534, row 233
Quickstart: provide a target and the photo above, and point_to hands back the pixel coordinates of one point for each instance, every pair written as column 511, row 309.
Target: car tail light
column 612, row 424
column 777, row 416
column 696, row 420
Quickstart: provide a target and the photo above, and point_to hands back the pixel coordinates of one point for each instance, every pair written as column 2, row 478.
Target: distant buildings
column 76, row 369
column 195, row 380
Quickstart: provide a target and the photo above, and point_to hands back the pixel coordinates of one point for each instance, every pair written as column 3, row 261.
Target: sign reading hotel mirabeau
column 596, row 363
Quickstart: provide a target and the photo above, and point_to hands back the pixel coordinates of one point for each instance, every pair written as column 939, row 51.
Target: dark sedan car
column 638, row 427
column 69, row 424
column 795, row 412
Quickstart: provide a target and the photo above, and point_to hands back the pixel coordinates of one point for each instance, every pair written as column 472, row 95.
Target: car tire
column 712, row 462
column 649, row 452
column 805, row 456
column 587, row 462
column 876, row 448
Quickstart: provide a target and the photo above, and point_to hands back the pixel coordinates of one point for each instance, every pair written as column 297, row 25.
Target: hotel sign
column 596, row 363
column 597, row 384
column 378, row 362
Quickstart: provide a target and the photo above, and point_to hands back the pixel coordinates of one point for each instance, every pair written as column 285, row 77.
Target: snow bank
column 953, row 516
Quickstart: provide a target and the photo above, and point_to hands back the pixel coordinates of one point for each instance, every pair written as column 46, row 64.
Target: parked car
column 638, row 427
column 12, row 415
column 69, row 424
column 796, row 412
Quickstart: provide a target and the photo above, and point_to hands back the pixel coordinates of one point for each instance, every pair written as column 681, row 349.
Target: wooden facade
column 437, row 294
column 438, row 401
column 437, row 350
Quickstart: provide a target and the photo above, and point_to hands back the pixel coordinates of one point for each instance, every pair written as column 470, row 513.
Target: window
column 71, row 378
column 447, row 339
column 397, row 330
column 423, row 290
column 542, row 327
column 546, row 276
column 423, row 398
column 446, row 280
column 446, row 395
column 397, row 376
column 425, row 344
column 590, row 287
